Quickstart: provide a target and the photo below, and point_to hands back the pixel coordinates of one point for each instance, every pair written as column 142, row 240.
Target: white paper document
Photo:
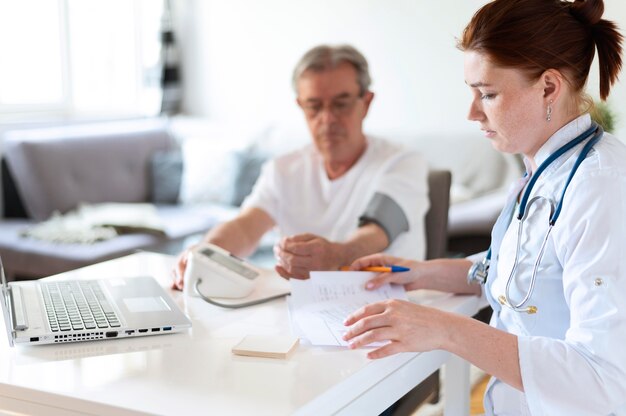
column 318, row 306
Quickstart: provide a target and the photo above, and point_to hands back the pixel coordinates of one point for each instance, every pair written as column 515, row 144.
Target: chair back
column 439, row 182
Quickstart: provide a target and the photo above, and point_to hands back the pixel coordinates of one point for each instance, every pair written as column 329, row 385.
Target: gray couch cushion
column 27, row 257
column 57, row 168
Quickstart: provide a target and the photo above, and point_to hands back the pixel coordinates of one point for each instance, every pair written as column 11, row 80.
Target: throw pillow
column 249, row 168
column 166, row 170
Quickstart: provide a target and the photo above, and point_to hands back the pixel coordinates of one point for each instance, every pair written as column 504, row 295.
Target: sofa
column 195, row 173
column 52, row 171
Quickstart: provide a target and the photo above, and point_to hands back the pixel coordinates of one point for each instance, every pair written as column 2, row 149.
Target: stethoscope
column 480, row 270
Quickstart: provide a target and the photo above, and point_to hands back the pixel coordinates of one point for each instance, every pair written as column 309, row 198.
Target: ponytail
column 609, row 45
column 606, row 38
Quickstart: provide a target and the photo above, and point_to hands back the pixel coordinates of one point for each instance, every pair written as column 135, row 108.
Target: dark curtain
column 170, row 72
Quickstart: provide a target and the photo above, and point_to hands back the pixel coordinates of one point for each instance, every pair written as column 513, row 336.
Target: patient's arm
column 240, row 236
column 299, row 254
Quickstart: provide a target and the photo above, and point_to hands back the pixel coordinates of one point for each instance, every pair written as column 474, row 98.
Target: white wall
column 238, row 57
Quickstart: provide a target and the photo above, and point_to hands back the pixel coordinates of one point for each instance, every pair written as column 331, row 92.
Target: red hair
column 537, row 35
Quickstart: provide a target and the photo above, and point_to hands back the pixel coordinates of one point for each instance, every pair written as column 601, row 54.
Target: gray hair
column 325, row 57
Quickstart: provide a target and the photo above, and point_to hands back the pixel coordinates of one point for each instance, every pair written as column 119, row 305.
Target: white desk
column 195, row 372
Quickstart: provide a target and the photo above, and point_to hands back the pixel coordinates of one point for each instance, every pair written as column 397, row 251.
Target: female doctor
column 555, row 274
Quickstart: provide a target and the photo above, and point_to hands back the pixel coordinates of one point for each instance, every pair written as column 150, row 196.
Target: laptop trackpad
column 146, row 304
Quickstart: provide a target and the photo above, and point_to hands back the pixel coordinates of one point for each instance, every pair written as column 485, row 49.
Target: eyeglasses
column 339, row 107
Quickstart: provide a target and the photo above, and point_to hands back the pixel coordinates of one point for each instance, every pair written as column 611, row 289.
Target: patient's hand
column 299, row 254
column 178, row 273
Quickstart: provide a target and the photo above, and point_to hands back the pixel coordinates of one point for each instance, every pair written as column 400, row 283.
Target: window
column 79, row 58
column 31, row 44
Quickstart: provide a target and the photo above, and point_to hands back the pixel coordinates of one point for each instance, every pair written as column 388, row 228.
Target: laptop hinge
column 17, row 308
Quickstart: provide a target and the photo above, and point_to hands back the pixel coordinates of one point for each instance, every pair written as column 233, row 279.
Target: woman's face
column 510, row 109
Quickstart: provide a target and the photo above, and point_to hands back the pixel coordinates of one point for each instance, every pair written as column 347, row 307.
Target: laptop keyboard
column 76, row 305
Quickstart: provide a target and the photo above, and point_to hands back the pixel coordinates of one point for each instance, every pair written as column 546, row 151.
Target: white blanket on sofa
column 90, row 223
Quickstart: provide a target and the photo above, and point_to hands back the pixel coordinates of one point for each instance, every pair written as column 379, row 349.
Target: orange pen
column 381, row 269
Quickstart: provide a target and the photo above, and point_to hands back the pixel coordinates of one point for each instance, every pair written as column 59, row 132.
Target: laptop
column 62, row 311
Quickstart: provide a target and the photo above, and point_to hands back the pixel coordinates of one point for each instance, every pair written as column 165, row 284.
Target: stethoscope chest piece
column 479, row 271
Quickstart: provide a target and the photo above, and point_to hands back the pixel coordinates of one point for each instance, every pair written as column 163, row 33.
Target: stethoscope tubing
column 555, row 212
column 597, row 131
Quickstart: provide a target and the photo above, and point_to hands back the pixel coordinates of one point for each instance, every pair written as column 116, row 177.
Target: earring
column 549, row 112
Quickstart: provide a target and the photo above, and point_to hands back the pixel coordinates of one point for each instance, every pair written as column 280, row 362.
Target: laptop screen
column 4, row 301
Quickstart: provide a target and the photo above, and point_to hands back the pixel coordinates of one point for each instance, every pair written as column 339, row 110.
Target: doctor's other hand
column 297, row 255
column 407, row 327
column 178, row 273
column 410, row 279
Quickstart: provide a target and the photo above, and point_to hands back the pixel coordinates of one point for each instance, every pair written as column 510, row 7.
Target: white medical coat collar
column 560, row 138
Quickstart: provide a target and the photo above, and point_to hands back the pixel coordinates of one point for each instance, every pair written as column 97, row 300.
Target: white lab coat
column 572, row 352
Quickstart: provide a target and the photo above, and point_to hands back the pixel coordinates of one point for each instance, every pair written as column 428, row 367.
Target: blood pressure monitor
column 222, row 274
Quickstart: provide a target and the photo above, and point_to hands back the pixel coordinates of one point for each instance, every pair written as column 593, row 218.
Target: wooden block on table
column 268, row 346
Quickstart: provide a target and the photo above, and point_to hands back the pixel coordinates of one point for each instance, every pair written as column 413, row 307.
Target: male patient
column 345, row 195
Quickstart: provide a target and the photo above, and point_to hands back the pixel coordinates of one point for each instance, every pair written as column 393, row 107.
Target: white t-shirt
column 571, row 351
column 296, row 192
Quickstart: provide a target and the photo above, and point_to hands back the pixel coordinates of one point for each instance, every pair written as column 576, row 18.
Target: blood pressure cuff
column 387, row 214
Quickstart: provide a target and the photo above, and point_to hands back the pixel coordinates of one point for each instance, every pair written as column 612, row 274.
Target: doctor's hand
column 297, row 255
column 407, row 327
column 410, row 279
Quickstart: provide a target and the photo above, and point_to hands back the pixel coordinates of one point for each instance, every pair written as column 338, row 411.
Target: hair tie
column 588, row 12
